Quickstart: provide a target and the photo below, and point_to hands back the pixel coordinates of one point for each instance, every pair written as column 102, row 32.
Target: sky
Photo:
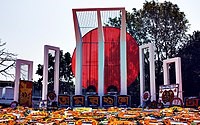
column 27, row 25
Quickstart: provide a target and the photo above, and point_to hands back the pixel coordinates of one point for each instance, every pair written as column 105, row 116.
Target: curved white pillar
column 78, row 65
column 20, row 62
column 45, row 71
column 177, row 61
column 123, row 57
column 151, row 69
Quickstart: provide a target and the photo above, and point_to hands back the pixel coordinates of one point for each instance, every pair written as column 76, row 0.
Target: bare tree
column 7, row 61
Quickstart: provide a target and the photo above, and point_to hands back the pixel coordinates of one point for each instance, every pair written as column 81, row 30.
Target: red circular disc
column 111, row 58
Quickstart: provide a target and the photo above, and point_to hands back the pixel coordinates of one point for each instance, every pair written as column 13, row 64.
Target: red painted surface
column 112, row 58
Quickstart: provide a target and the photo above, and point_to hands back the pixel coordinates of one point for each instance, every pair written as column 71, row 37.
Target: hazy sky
column 27, row 25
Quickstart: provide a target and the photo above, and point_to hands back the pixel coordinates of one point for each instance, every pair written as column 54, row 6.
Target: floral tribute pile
column 110, row 116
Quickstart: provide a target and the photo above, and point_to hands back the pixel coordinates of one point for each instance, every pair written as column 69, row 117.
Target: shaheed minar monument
column 105, row 58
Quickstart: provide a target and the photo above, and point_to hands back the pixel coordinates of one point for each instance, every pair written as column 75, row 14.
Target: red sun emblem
column 112, row 58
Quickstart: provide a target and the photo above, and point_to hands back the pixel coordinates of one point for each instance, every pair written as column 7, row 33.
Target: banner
column 25, row 93
column 108, row 101
column 93, row 101
column 167, row 93
column 192, row 102
column 123, row 101
column 177, row 102
column 64, row 101
column 51, row 100
column 78, row 101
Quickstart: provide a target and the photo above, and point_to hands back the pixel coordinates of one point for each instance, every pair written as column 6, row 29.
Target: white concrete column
column 123, row 57
column 17, row 79
column 56, row 72
column 177, row 61
column 142, row 72
column 179, row 77
column 78, row 66
column 165, row 73
column 30, row 70
column 100, row 57
column 20, row 62
column 152, row 73
column 45, row 73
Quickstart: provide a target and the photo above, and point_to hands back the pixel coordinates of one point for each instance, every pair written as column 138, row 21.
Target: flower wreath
column 93, row 121
column 146, row 96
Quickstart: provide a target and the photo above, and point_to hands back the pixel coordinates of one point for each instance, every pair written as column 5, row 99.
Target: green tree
column 7, row 61
column 160, row 23
column 190, row 58
column 66, row 83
